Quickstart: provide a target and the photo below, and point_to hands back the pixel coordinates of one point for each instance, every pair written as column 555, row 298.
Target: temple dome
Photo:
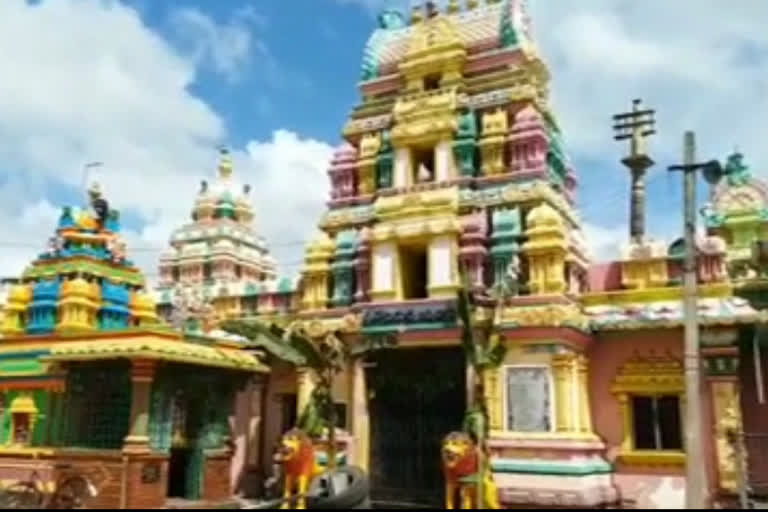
column 225, row 197
column 544, row 216
column 344, row 153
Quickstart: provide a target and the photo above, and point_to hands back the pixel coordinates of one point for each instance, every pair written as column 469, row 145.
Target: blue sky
column 152, row 87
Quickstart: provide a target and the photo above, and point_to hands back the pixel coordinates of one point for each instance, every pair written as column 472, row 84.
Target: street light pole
column 697, row 487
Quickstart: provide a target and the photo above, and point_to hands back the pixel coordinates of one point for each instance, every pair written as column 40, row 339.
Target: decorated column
column 363, row 266
column 445, row 166
column 384, row 268
column 361, row 427
column 442, row 260
column 563, row 371
column 721, row 361
column 142, row 376
column 306, row 382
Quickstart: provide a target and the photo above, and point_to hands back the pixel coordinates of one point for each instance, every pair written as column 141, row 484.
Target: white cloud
column 226, row 47
column 290, row 181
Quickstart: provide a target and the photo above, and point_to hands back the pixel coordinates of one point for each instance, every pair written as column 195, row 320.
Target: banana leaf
column 308, row 350
column 264, row 337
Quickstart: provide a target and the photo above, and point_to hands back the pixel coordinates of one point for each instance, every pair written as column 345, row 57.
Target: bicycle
column 71, row 491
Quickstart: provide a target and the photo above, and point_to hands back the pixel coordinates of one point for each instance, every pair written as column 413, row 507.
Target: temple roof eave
column 157, row 349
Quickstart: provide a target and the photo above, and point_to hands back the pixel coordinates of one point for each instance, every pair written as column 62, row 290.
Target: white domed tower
column 218, row 256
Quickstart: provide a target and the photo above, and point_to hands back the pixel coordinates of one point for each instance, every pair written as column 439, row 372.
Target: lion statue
column 297, row 455
column 460, row 461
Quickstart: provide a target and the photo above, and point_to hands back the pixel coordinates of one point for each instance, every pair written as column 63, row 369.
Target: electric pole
column 636, row 125
column 696, row 488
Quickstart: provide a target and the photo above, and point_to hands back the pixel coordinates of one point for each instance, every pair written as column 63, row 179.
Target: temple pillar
column 493, row 400
column 306, row 382
column 445, row 166
column 584, row 405
column 142, row 376
column 727, row 418
column 562, row 370
column 443, row 274
column 361, row 426
column 402, row 167
column 363, row 266
column 384, row 272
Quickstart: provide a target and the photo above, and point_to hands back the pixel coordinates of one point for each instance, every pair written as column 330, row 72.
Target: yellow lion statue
column 460, row 460
column 297, row 456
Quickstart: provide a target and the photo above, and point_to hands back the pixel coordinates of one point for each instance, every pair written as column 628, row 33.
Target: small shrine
column 90, row 375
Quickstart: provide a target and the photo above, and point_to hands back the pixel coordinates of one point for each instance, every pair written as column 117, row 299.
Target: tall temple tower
column 454, row 159
column 218, row 258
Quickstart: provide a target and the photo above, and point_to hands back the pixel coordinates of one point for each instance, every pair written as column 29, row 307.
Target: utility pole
column 636, row 125
column 696, row 488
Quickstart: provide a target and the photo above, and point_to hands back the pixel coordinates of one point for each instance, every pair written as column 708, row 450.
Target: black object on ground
column 344, row 488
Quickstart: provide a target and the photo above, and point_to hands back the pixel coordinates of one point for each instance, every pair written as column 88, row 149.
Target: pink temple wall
column 651, row 487
column 604, row 277
column 241, row 422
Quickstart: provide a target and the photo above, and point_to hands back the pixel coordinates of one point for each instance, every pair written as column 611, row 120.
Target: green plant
column 322, row 353
column 485, row 351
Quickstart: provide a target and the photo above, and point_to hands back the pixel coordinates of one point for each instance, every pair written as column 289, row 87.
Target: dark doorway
column 289, row 404
column 177, row 473
column 418, row 397
column 415, row 272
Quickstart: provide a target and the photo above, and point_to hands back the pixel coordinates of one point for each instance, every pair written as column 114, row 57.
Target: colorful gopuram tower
column 91, row 378
column 219, row 258
column 454, row 160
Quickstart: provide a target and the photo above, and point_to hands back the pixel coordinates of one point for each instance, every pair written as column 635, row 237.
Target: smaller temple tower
column 219, row 257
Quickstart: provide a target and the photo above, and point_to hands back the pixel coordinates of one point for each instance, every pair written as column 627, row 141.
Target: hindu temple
column 454, row 163
column 218, row 257
column 90, row 377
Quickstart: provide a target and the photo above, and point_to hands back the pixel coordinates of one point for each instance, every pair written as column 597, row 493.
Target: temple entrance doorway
column 187, row 459
column 418, row 396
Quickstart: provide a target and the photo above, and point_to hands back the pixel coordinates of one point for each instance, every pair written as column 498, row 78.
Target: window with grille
column 657, row 424
column 98, row 406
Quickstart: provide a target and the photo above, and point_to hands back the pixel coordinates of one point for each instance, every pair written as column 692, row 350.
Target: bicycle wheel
column 71, row 494
column 23, row 496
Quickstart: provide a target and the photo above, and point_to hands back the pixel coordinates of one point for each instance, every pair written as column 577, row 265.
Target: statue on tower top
column 99, row 206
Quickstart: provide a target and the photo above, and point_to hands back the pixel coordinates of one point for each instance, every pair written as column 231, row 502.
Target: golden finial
column 453, row 7
column 225, row 163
